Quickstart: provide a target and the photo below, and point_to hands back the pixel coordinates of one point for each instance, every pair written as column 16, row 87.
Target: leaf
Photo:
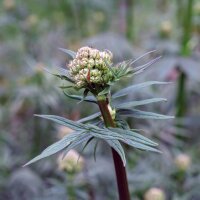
column 136, row 87
column 89, row 118
column 141, row 68
column 105, row 91
column 85, row 145
column 142, row 56
column 115, row 144
column 56, row 147
column 140, row 146
column 77, row 97
column 105, row 134
column 95, row 150
column 63, row 74
column 68, row 52
column 85, row 93
column 66, row 87
column 132, row 135
column 65, row 122
column 142, row 114
column 79, row 140
column 139, row 103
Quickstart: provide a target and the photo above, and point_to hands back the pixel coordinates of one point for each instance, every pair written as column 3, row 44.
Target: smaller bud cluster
column 183, row 162
column 91, row 66
column 69, row 162
column 155, row 194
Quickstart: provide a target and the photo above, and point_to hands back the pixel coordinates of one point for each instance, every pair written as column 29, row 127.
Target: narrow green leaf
column 105, row 91
column 115, row 144
column 130, row 62
column 66, row 87
column 65, row 122
column 61, row 73
column 140, row 146
column 142, row 114
column 95, row 150
column 68, row 52
column 85, row 145
column 56, row 147
column 136, row 87
column 77, row 97
column 132, row 135
column 139, row 103
column 142, row 56
column 78, row 141
column 141, row 68
column 89, row 118
column 105, row 135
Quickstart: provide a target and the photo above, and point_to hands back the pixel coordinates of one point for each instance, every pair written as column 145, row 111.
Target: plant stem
column 120, row 170
column 187, row 28
column 181, row 96
column 130, row 19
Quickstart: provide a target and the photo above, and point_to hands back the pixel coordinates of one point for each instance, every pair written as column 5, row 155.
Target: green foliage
column 86, row 129
column 85, row 132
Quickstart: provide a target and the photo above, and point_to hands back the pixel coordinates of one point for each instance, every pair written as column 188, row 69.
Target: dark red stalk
column 120, row 170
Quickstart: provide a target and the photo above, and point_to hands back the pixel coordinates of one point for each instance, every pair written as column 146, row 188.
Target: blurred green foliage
column 30, row 33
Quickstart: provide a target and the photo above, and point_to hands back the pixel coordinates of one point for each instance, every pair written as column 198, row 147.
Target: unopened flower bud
column 183, row 162
column 94, row 53
column 69, row 162
column 155, row 194
column 9, row 4
column 91, row 62
column 166, row 29
column 95, row 72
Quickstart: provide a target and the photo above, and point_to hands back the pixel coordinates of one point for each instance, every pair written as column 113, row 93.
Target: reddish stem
column 120, row 170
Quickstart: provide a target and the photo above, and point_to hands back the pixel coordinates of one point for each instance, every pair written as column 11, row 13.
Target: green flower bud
column 95, row 72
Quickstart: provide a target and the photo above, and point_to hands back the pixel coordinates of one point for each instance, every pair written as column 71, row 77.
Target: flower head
column 91, row 66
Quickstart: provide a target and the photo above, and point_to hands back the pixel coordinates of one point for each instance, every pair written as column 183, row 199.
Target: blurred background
column 31, row 33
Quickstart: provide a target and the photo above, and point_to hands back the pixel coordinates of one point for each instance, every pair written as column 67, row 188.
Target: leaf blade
column 142, row 114
column 68, row 52
column 139, row 103
column 54, row 148
column 127, row 90
column 115, row 144
column 65, row 122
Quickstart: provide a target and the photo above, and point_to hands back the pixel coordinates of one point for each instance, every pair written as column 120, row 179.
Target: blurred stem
column 179, row 12
column 181, row 97
column 187, row 27
column 36, row 139
column 130, row 19
column 70, row 187
column 119, row 167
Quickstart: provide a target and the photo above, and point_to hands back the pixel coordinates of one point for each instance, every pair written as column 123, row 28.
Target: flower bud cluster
column 69, row 162
column 91, row 66
column 183, row 162
column 155, row 194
